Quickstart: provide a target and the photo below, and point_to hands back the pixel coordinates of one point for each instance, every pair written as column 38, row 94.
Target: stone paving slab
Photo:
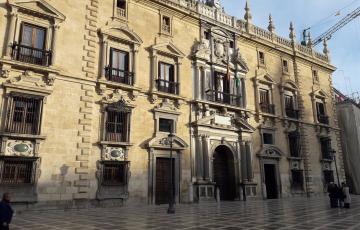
column 292, row 213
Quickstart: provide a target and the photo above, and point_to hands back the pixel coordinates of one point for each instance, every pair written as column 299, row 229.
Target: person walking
column 6, row 212
column 347, row 197
column 332, row 190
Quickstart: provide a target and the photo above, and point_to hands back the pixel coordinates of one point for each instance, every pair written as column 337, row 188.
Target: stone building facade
column 92, row 89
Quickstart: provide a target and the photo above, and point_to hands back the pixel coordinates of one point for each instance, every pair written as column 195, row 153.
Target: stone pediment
column 37, row 7
column 122, row 33
column 168, row 48
column 159, row 142
column 264, row 77
column 320, row 93
column 270, row 152
column 244, row 126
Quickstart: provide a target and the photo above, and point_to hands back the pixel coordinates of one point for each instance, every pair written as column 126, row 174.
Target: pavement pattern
column 290, row 213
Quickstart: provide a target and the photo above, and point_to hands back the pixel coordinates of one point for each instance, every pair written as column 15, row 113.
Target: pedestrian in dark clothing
column 6, row 212
column 341, row 195
column 333, row 191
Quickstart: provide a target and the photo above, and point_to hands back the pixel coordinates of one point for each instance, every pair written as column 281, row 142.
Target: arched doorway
column 224, row 172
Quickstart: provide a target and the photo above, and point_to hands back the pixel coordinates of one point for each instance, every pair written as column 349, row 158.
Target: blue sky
column 320, row 14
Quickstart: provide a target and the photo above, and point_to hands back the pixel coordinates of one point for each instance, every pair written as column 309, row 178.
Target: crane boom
column 327, row 35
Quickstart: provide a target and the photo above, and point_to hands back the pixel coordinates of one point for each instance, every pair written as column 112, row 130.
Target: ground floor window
column 114, row 173
column 297, row 179
column 16, row 170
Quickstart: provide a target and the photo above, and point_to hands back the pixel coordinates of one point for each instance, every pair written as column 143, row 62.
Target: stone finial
column 247, row 15
column 326, row 50
column 309, row 43
column 292, row 34
column 271, row 26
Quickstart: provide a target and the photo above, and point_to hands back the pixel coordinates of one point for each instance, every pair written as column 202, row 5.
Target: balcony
column 119, row 76
column 292, row 113
column 323, row 119
column 31, row 55
column 166, row 28
column 167, row 86
column 267, row 108
column 326, row 155
column 225, row 98
column 121, row 12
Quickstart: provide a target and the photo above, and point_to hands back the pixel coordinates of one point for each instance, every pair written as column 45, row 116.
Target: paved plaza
column 295, row 213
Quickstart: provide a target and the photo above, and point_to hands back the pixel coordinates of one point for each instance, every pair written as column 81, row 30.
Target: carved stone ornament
column 19, row 148
column 295, row 165
column 32, row 79
column 5, row 71
column 115, row 154
column 219, row 49
column 115, row 97
column 166, row 104
column 327, row 166
column 202, row 50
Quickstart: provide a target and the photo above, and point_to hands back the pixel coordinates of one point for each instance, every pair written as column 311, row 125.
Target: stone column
column 154, row 70
column 134, row 63
column 11, row 31
column 243, row 91
column 55, row 29
column 198, row 75
column 199, row 158
column 178, row 78
column 243, row 162
column 282, row 97
column 205, row 140
column 104, row 48
column 249, row 161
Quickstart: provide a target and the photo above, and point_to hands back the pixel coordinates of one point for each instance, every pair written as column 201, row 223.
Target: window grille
column 16, row 171
column 117, row 126
column 297, row 179
column 115, row 173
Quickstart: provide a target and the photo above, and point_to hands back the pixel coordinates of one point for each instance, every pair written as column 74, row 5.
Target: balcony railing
column 326, row 155
column 119, row 76
column 292, row 113
column 31, row 55
column 121, row 12
column 267, row 108
column 166, row 28
column 167, row 86
column 323, row 119
column 225, row 98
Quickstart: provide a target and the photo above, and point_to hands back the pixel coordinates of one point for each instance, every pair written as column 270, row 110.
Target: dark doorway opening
column 270, row 181
column 224, row 172
column 162, row 194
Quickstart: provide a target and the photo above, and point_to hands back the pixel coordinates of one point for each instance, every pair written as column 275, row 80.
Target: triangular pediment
column 168, row 48
column 244, row 126
column 122, row 33
column 289, row 84
column 320, row 93
column 159, row 142
column 37, row 7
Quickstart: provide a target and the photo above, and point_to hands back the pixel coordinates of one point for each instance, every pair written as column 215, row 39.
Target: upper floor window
column 24, row 115
column 290, row 108
column 16, row 171
column 265, row 102
column 166, row 125
column 166, row 80
column 315, row 75
column 117, row 124
column 261, row 56
column 31, row 47
column 294, row 144
column 285, row 65
column 121, row 8
column 268, row 138
column 118, row 70
column 166, row 24
column 321, row 113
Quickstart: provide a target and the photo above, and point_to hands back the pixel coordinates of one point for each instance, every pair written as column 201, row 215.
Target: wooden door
column 163, row 180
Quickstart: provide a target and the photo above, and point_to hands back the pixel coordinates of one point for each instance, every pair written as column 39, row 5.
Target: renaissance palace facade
column 90, row 91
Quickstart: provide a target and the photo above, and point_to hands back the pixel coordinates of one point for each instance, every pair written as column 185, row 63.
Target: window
column 294, row 144
column 315, row 75
column 166, row 24
column 114, row 173
column 297, row 181
column 118, row 71
column 328, row 176
column 16, row 171
column 31, row 47
column 268, row 139
column 321, row 115
column 24, row 115
column 261, row 58
column 285, row 66
column 265, row 105
column 166, row 81
column 325, row 143
column 121, row 8
column 231, row 45
column 166, row 125
column 290, row 107
column 117, row 125
column 206, row 35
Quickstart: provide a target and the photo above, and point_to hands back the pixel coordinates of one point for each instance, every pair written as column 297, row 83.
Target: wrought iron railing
column 167, row 86
column 16, row 171
column 292, row 113
column 119, row 76
column 323, row 119
column 31, row 55
column 223, row 97
column 267, row 108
